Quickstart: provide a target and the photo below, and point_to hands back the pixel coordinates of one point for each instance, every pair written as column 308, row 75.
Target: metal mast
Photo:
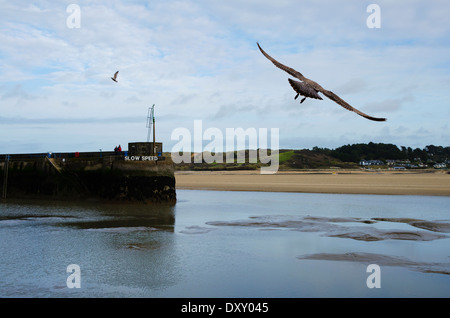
column 150, row 122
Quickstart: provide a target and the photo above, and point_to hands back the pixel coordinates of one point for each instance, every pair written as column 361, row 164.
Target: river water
column 228, row 244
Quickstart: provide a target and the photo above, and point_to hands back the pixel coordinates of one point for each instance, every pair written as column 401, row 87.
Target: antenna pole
column 154, row 139
column 150, row 121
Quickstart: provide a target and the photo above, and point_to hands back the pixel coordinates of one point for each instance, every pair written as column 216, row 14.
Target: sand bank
column 430, row 182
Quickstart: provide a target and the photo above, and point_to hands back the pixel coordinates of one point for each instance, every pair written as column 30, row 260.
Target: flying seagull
column 115, row 76
column 309, row 88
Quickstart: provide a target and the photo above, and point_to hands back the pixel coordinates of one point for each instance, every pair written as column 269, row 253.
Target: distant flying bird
column 309, row 88
column 115, row 76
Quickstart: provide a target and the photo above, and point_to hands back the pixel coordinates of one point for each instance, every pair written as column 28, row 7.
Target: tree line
column 382, row 151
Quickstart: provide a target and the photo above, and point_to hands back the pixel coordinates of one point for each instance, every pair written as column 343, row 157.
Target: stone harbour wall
column 94, row 178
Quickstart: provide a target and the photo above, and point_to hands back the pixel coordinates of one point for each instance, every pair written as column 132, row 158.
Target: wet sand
column 360, row 229
column 429, row 182
column 383, row 260
column 348, row 228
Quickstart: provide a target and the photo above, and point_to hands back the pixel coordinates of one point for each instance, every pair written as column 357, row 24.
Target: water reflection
column 122, row 250
column 133, row 218
column 228, row 244
column 90, row 216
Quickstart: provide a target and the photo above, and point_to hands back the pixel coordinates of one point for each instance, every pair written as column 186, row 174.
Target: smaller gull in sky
column 115, row 76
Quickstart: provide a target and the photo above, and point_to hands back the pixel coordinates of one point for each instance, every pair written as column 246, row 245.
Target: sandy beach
column 429, row 182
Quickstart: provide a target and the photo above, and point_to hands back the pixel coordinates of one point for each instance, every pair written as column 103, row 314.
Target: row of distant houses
column 403, row 164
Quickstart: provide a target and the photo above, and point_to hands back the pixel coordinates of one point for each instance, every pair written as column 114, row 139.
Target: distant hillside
column 310, row 159
column 288, row 159
column 194, row 163
column 347, row 156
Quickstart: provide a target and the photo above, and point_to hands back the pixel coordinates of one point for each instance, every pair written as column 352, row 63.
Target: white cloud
column 199, row 60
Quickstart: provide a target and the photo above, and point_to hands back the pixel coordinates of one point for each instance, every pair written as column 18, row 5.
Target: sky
column 198, row 61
